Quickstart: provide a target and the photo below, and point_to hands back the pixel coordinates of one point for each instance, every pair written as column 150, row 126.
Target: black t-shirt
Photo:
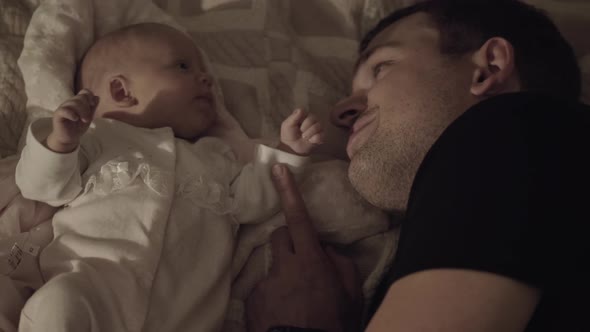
column 506, row 189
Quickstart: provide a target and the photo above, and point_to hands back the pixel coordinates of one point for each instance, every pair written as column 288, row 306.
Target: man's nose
column 348, row 110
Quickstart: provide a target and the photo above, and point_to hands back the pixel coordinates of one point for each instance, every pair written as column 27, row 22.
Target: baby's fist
column 71, row 120
column 301, row 132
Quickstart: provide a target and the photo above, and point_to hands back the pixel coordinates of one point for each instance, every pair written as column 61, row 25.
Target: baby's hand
column 301, row 132
column 71, row 120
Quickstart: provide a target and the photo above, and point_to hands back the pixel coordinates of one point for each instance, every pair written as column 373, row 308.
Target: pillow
column 14, row 17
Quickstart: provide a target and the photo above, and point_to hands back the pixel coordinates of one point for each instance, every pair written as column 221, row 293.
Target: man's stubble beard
column 383, row 169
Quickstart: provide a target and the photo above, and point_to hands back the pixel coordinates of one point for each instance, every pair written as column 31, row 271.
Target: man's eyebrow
column 366, row 54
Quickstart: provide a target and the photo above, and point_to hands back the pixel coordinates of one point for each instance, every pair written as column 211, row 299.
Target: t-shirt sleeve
column 498, row 192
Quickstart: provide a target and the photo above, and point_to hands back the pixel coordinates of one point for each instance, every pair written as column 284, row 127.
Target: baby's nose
column 348, row 110
column 205, row 79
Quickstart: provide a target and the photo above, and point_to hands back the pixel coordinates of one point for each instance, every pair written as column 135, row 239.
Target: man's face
column 412, row 93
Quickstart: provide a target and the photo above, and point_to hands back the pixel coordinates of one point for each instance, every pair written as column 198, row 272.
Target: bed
column 269, row 57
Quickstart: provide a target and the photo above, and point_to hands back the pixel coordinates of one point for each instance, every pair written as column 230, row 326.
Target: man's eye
column 378, row 68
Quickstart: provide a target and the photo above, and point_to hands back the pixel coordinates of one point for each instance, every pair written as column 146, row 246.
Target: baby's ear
column 120, row 93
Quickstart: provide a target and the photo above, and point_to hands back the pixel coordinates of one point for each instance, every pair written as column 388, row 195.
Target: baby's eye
column 378, row 68
column 183, row 65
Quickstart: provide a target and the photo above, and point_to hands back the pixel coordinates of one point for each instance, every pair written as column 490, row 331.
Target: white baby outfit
column 146, row 208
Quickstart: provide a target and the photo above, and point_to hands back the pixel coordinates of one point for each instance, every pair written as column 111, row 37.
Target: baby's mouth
column 206, row 97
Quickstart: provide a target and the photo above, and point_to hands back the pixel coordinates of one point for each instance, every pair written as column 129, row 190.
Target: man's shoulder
column 529, row 98
column 530, row 107
column 512, row 136
column 530, row 117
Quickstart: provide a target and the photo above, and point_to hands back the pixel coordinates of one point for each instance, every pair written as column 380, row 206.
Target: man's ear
column 120, row 93
column 495, row 70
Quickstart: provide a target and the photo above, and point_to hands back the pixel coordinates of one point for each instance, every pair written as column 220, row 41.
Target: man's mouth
column 356, row 131
column 366, row 118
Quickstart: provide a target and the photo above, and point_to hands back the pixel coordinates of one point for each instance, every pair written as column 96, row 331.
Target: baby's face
column 171, row 85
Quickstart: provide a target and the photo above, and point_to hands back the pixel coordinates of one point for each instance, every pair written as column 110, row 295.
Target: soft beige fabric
column 24, row 225
column 343, row 220
column 14, row 17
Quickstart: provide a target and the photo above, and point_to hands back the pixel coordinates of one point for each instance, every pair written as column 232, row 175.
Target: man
column 464, row 121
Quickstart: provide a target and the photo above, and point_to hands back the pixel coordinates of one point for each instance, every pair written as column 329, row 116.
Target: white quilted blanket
column 14, row 16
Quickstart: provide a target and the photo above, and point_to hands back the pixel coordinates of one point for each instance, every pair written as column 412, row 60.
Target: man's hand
column 307, row 286
column 70, row 121
column 301, row 132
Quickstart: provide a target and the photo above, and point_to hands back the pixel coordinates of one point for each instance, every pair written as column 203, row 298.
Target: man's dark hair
column 544, row 60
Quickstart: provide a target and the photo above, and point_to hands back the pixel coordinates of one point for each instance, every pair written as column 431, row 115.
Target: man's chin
column 371, row 185
column 360, row 178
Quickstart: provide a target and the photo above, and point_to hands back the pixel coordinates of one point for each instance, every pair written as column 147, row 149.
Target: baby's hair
column 104, row 56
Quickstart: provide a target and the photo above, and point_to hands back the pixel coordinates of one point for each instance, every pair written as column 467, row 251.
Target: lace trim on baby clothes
column 206, row 193
column 120, row 173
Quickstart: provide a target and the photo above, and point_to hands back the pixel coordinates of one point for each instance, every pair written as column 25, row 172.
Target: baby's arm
column 300, row 133
column 70, row 121
column 253, row 190
column 48, row 169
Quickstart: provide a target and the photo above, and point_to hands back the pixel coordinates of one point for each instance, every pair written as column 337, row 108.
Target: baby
column 147, row 194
